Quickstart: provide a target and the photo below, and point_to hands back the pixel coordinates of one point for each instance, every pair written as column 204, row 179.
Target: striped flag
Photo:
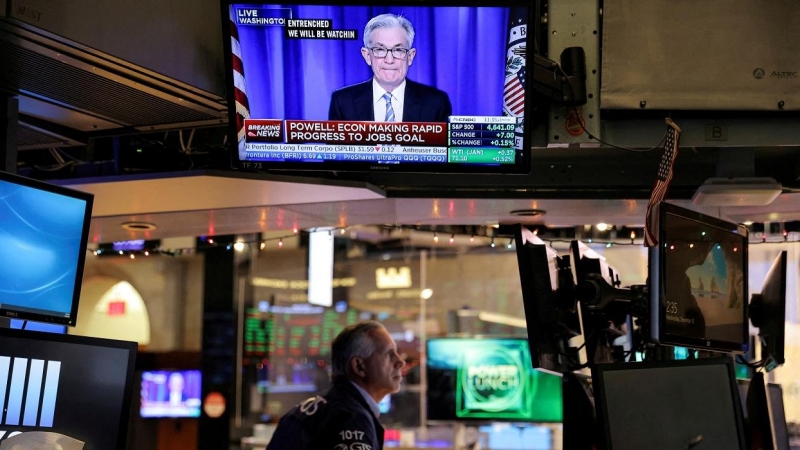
column 662, row 183
column 514, row 93
column 514, row 88
column 239, row 91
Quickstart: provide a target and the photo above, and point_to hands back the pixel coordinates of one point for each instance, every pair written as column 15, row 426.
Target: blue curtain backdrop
column 460, row 50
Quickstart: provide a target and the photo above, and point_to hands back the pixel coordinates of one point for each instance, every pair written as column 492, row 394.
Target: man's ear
column 365, row 54
column 357, row 367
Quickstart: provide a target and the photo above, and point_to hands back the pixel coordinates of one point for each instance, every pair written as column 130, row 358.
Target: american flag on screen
column 239, row 91
column 514, row 88
column 514, row 93
column 662, row 183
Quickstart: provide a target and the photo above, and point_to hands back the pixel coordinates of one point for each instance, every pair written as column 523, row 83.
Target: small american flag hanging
column 239, row 91
column 662, row 183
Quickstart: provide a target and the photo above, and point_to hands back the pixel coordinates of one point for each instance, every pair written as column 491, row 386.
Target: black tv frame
column 656, row 282
column 521, row 167
column 599, row 371
column 17, row 312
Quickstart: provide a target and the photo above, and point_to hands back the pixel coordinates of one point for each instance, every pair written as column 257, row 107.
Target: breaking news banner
column 464, row 139
column 345, row 132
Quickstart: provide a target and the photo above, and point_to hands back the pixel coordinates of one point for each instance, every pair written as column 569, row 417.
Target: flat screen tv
column 488, row 380
column 768, row 313
column 551, row 315
column 170, row 393
column 698, row 282
column 77, row 386
column 44, row 230
column 688, row 404
column 307, row 89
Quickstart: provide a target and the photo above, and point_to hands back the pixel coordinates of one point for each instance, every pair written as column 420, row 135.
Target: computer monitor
column 775, row 393
column 698, row 282
column 608, row 330
column 302, row 96
column 551, row 315
column 669, row 405
column 488, row 380
column 38, row 326
column 768, row 313
column 170, row 393
column 77, row 386
column 44, row 229
column 586, row 261
column 766, row 419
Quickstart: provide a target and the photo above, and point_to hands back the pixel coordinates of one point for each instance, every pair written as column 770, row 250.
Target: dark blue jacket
column 421, row 104
column 339, row 420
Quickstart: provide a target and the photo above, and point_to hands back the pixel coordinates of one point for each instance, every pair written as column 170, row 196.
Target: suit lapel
column 363, row 103
column 412, row 105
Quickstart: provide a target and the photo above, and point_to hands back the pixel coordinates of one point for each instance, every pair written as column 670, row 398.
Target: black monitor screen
column 698, row 281
column 669, row 405
column 43, row 230
column 72, row 385
column 309, row 92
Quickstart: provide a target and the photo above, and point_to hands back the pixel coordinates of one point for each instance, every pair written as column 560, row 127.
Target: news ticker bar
column 382, row 154
column 459, row 131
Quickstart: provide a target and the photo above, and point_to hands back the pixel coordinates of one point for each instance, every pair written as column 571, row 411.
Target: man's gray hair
column 388, row 21
column 353, row 341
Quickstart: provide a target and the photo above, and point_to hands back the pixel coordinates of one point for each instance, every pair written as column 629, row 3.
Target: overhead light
column 737, row 192
column 528, row 212
column 138, row 226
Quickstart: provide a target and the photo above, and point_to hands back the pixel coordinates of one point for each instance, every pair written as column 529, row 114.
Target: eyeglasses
column 398, row 53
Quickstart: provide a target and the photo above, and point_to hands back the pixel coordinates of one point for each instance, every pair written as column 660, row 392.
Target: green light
column 702, row 233
column 609, row 245
column 138, row 150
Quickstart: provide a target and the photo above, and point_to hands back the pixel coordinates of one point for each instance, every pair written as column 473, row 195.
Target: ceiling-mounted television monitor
column 170, row 393
column 488, row 380
column 688, row 404
column 44, row 229
column 768, row 313
column 77, row 386
column 399, row 86
column 698, row 282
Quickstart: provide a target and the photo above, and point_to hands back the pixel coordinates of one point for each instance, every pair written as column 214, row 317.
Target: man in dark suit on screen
column 389, row 96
